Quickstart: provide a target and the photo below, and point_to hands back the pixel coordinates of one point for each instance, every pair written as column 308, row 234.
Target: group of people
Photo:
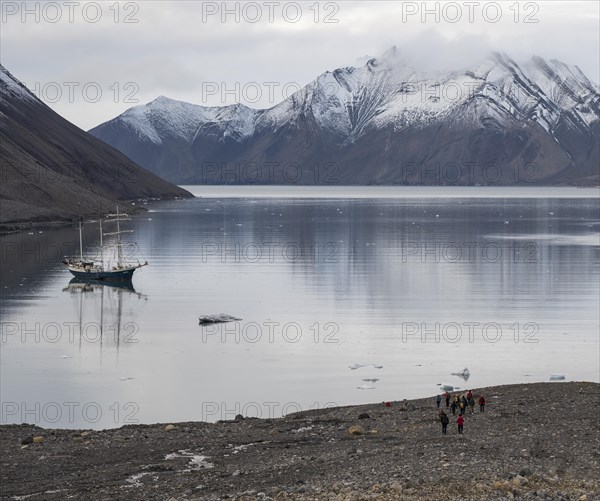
column 460, row 404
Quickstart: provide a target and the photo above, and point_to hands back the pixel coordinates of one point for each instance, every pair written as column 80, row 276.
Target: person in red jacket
column 481, row 403
column 460, row 421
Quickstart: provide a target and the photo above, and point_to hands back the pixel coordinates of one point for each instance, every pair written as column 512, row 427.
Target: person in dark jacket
column 444, row 420
column 453, row 407
column 438, row 401
column 447, row 397
column 481, row 403
column 471, row 405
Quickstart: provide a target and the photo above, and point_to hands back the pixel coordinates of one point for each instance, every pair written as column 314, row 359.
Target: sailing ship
column 106, row 270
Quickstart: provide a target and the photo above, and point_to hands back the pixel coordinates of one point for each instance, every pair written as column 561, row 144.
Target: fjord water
column 404, row 285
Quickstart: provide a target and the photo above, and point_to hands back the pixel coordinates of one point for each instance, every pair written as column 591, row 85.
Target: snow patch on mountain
column 235, row 122
column 10, row 84
column 389, row 92
column 166, row 117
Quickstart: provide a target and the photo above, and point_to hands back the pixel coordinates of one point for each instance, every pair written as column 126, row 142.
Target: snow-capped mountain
column 383, row 123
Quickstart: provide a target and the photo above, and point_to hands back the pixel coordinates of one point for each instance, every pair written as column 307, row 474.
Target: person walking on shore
column 453, row 407
column 460, row 421
column 447, row 397
column 471, row 405
column 481, row 403
column 438, row 401
column 444, row 420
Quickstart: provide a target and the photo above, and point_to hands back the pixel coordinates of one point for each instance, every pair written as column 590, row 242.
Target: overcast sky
column 90, row 61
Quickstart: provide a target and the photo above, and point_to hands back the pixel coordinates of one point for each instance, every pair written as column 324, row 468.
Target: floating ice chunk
column 126, row 378
column 557, row 377
column 371, row 379
column 446, row 387
column 358, row 366
column 365, row 387
column 221, row 318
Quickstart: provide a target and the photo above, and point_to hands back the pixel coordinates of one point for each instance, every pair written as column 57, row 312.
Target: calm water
column 414, row 284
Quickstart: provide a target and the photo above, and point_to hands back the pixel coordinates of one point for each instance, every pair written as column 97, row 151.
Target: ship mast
column 80, row 234
column 80, row 240
column 119, row 251
column 118, row 218
column 101, row 244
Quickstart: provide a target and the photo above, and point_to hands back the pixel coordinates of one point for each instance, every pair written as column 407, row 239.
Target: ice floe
column 359, row 366
column 221, row 318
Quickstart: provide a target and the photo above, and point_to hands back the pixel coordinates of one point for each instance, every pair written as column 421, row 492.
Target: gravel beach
column 534, row 441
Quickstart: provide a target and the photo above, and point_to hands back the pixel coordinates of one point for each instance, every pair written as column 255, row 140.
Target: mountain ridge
column 375, row 120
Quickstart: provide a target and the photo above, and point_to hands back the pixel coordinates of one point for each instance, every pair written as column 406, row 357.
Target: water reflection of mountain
column 393, row 258
column 106, row 311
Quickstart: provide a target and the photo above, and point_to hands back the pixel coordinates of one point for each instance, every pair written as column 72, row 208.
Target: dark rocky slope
column 51, row 170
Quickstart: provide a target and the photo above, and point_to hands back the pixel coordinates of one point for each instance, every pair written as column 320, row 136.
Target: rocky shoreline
column 534, row 441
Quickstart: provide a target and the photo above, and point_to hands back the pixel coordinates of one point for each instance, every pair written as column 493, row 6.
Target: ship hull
column 118, row 275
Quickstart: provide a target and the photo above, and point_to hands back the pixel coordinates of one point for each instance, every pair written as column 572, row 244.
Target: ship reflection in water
column 100, row 310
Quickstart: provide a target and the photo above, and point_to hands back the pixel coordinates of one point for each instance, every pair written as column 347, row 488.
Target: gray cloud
column 174, row 49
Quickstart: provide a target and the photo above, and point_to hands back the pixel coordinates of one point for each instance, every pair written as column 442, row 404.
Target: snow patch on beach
column 196, row 461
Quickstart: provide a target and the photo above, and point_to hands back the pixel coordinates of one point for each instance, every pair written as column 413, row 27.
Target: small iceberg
column 356, row 366
column 221, row 318
column 557, row 377
column 359, row 366
column 371, row 380
column 446, row 387
column 365, row 387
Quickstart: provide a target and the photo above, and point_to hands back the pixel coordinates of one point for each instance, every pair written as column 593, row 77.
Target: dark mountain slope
column 50, row 168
